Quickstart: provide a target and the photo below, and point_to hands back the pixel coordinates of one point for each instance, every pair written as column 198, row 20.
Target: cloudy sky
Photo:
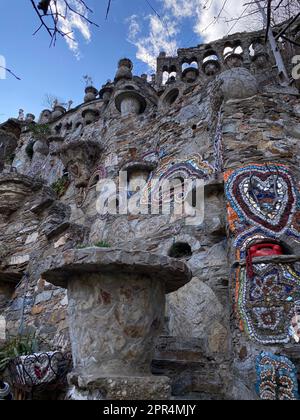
column 138, row 29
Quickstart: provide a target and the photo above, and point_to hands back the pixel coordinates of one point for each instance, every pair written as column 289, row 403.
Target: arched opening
column 95, row 181
column 171, row 96
column 210, row 56
column 172, row 77
column 58, row 128
column 176, row 191
column 169, row 75
column 185, row 66
column 231, row 49
column 180, row 250
column 137, row 179
column 239, row 50
column 228, row 50
column 69, row 126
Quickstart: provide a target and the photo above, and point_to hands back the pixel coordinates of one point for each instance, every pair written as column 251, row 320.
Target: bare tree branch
column 50, row 15
column 10, row 72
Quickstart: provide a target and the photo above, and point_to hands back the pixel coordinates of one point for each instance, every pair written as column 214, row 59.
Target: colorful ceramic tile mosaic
column 170, row 168
column 266, row 303
column 263, row 205
column 262, row 196
column 276, row 378
column 295, row 326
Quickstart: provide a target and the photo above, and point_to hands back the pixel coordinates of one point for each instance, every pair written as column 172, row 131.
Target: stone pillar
column 133, row 308
column 116, row 310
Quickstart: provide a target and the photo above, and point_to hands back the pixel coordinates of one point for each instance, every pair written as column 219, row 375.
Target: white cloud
column 70, row 22
column 209, row 20
column 161, row 37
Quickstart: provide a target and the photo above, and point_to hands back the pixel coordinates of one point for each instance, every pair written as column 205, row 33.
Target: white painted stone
column 61, row 242
column 64, row 301
column 32, row 238
column 19, row 259
column 2, row 328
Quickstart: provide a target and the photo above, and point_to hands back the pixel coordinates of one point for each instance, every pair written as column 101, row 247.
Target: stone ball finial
column 90, row 94
column 21, row 116
column 238, row 83
column 45, row 116
column 125, row 67
column 30, row 118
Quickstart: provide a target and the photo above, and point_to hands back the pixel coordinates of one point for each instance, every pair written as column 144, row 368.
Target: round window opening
column 180, row 250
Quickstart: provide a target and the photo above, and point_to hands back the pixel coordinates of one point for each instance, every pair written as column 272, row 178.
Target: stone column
column 116, row 309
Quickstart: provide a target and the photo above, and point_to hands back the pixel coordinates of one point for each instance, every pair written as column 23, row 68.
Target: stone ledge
column 270, row 259
column 61, row 268
column 126, row 388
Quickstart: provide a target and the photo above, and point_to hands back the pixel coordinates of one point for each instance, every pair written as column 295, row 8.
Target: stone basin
column 116, row 309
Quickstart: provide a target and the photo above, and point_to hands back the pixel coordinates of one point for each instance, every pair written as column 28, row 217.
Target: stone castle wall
column 225, row 119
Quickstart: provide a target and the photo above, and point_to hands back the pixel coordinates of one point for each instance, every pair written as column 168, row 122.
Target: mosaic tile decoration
column 266, row 303
column 171, row 168
column 276, row 378
column 295, row 326
column 262, row 196
column 263, row 205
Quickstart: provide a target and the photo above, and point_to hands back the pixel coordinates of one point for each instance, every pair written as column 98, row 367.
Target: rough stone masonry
column 159, row 308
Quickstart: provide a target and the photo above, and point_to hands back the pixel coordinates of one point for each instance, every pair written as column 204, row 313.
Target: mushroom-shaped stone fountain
column 116, row 309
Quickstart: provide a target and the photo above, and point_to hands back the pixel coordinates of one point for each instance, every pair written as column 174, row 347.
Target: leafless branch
column 51, row 14
column 10, row 72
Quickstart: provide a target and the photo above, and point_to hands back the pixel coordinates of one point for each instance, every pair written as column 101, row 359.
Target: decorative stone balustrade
column 239, row 50
column 116, row 309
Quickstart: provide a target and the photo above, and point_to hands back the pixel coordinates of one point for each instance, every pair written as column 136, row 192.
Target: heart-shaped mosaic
column 264, row 196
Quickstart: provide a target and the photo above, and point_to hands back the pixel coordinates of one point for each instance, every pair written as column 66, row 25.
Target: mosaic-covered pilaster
column 263, row 217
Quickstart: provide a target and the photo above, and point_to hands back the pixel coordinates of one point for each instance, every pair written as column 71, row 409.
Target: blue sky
column 132, row 30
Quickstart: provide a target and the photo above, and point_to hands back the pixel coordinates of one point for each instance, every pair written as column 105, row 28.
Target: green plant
column 61, row 186
column 102, row 244
column 40, row 131
column 10, row 158
column 21, row 345
column 82, row 246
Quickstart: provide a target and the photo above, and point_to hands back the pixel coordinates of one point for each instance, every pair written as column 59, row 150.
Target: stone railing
column 239, row 50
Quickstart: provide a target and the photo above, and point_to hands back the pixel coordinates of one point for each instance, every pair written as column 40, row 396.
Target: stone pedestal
column 116, row 309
